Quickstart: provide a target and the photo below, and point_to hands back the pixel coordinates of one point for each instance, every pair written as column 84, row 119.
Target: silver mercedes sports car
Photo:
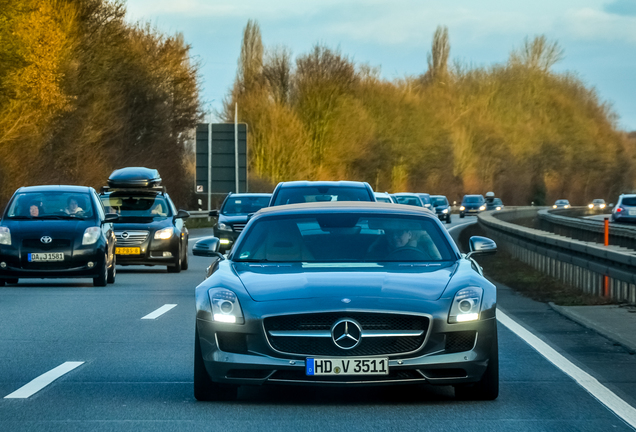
column 345, row 294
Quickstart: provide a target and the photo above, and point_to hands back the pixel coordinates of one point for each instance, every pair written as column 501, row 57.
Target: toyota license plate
column 46, row 257
column 347, row 366
column 127, row 251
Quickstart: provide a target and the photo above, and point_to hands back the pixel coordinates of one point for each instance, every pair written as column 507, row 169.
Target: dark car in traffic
column 426, row 200
column 472, row 205
column 441, row 207
column 494, row 204
column 296, row 192
column 394, row 303
column 233, row 215
column 149, row 229
column 625, row 209
column 383, row 197
column 57, row 232
column 561, row 203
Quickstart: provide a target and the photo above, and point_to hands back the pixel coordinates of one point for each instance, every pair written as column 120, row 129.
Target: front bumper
column 75, row 264
column 152, row 252
column 254, row 362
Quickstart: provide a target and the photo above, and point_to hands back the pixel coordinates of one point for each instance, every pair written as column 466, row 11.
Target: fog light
column 3, row 265
column 167, row 254
column 91, row 264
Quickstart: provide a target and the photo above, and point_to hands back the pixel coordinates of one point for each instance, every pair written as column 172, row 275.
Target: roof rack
column 134, row 178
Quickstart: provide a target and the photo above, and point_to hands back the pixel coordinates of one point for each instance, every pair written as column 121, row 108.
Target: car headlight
column 498, row 208
column 163, row 234
column 482, row 208
column 5, row 236
column 224, row 227
column 225, row 306
column 602, row 206
column 590, row 205
column 462, row 208
column 466, row 305
column 554, row 206
column 445, row 211
column 91, row 235
column 566, row 206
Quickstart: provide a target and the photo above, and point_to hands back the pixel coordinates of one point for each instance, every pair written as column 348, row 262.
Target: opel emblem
column 346, row 333
column 46, row 239
column 125, row 234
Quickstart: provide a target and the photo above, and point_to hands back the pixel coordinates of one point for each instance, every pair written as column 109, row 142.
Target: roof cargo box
column 134, row 177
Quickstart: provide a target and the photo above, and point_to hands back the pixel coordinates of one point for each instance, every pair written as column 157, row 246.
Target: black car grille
column 394, row 375
column 131, row 238
column 238, row 227
column 368, row 345
column 37, row 244
column 460, row 341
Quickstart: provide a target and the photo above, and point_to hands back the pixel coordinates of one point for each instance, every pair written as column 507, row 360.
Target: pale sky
column 598, row 36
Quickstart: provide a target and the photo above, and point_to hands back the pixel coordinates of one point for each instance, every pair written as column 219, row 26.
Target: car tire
column 448, row 219
column 177, row 267
column 488, row 387
column 204, row 388
column 112, row 271
column 184, row 262
column 102, row 279
column 461, row 215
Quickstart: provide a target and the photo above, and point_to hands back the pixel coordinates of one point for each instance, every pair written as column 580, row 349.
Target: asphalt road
column 137, row 373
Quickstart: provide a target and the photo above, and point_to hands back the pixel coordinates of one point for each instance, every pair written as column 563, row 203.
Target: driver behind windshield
column 72, row 206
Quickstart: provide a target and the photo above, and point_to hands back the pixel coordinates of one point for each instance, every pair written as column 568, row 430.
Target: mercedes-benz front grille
column 381, row 333
column 131, row 238
column 238, row 227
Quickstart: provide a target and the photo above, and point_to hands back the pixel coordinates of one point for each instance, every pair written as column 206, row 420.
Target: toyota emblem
column 46, row 239
column 125, row 234
column 346, row 334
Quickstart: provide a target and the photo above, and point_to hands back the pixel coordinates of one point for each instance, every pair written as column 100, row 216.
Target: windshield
column 426, row 199
column 439, row 201
column 497, row 201
column 562, row 202
column 473, row 199
column 359, row 238
column 244, row 205
column 297, row 195
column 155, row 206
column 384, row 199
column 598, row 201
column 51, row 205
column 408, row 200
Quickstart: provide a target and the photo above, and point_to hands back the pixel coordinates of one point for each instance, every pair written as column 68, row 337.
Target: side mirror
column 207, row 247
column 611, row 205
column 111, row 217
column 481, row 246
column 214, row 213
column 182, row 214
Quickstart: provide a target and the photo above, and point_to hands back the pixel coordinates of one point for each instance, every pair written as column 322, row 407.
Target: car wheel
column 448, row 219
column 461, row 215
column 102, row 279
column 488, row 387
column 184, row 263
column 112, row 271
column 204, row 388
column 177, row 267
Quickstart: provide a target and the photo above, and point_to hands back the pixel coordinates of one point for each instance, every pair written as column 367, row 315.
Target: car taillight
column 618, row 210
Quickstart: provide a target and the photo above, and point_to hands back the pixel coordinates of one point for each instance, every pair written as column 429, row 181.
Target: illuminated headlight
column 5, row 236
column 224, row 227
column 482, row 208
column 445, row 211
column 590, row 205
column 466, row 305
column 163, row 234
column 554, row 206
column 567, row 206
column 462, row 208
column 602, row 206
column 498, row 208
column 91, row 235
column 225, row 306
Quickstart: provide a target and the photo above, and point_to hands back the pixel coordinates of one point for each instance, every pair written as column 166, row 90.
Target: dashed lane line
column 43, row 380
column 162, row 310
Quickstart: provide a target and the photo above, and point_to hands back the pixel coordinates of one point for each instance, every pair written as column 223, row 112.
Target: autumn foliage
column 518, row 128
column 83, row 92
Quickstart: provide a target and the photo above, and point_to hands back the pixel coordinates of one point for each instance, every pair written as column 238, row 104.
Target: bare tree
column 277, row 72
column 538, row 53
column 250, row 67
column 437, row 59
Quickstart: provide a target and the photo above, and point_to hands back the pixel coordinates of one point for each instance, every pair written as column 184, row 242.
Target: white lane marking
column 604, row 395
column 162, row 310
column 43, row 380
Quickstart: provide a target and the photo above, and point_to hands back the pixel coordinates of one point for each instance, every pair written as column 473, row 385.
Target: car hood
column 233, row 218
column 288, row 281
column 54, row 228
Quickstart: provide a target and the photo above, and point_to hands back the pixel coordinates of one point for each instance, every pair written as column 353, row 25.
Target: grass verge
column 522, row 278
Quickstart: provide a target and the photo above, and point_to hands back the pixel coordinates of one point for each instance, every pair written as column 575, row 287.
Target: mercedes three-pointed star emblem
column 346, row 333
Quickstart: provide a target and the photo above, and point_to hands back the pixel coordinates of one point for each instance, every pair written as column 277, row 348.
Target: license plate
column 127, row 251
column 46, row 257
column 347, row 366
column 632, row 212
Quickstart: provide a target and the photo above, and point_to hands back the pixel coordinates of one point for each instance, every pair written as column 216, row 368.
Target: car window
column 426, row 199
column 473, row 199
column 408, row 200
column 244, row 205
column 155, row 206
column 51, row 205
column 302, row 194
column 359, row 238
column 628, row 201
column 383, row 199
column 439, row 201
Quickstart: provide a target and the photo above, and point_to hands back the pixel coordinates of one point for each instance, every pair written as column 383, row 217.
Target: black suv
column 150, row 230
column 297, row 192
column 233, row 216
